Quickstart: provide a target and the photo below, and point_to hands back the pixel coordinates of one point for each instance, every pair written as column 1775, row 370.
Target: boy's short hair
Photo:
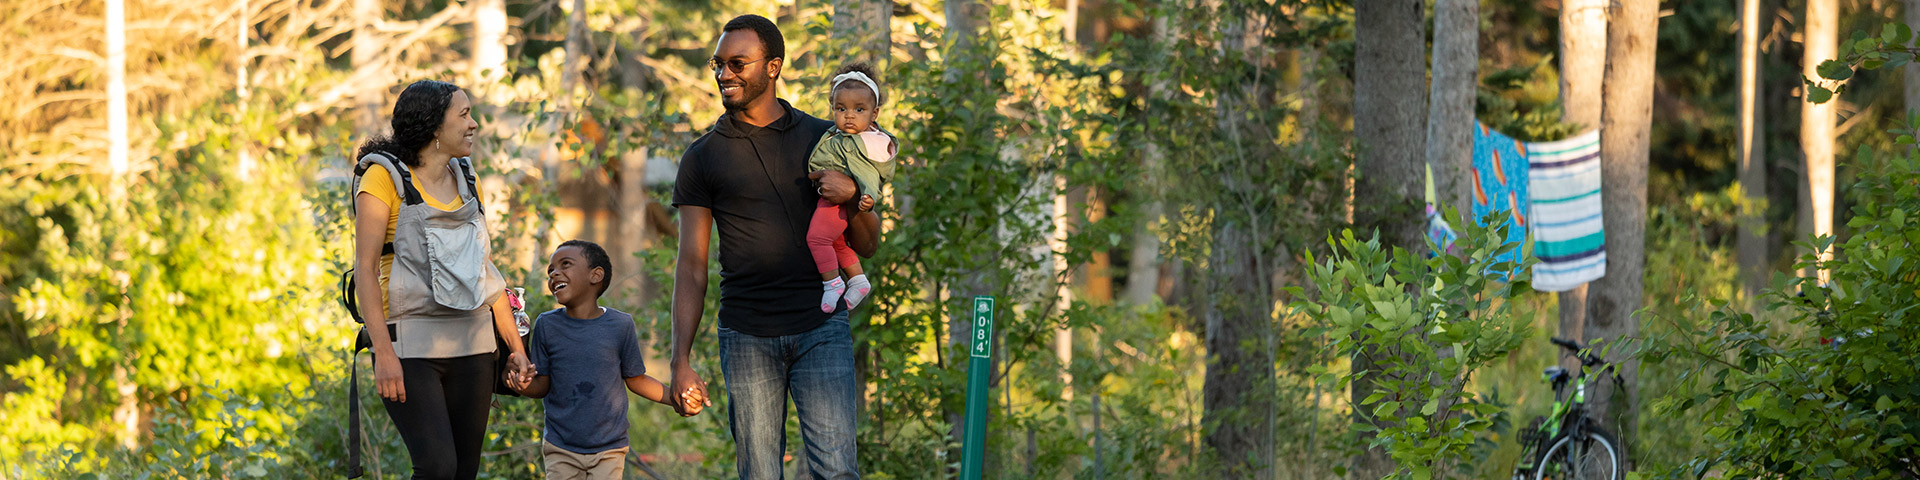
column 596, row 258
column 770, row 38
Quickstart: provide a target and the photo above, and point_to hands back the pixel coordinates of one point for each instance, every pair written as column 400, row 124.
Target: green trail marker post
column 979, row 366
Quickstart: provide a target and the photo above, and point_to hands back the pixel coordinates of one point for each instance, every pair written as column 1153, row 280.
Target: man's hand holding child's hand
column 689, row 402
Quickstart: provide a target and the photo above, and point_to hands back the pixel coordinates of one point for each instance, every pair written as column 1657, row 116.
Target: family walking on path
column 791, row 196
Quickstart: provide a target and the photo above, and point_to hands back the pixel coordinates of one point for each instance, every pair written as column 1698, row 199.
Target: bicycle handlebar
column 1568, row 344
column 1574, row 347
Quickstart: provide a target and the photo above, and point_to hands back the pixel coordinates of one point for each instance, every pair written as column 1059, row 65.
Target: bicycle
column 1568, row 445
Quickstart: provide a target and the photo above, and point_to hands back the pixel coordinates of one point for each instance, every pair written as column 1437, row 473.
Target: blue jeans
column 816, row 367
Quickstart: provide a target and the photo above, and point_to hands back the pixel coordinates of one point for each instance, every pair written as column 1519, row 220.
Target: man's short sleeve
column 690, row 183
column 632, row 362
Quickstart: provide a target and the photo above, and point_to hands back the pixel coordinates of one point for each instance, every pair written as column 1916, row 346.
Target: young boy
column 587, row 350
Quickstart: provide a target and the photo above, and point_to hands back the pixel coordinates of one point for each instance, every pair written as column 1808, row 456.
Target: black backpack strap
column 402, row 176
column 465, row 164
column 354, row 469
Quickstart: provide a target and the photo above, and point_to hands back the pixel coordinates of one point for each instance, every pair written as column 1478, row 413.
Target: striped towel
column 1567, row 234
column 1500, row 173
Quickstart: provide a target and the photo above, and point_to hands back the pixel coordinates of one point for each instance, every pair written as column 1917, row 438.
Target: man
column 749, row 174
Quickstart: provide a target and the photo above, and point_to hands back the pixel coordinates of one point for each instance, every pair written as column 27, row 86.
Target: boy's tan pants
column 566, row 465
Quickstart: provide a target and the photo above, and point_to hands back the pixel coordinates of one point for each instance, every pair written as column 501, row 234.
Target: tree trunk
column 1063, row 293
column 869, row 23
column 1389, row 102
column 1143, row 261
column 576, row 50
column 1583, row 60
column 1626, row 120
column 636, row 235
column 1751, row 242
column 1456, row 38
column 1912, row 80
column 965, row 19
column 489, row 63
column 1389, row 96
column 243, row 146
column 117, row 129
column 1816, row 120
column 1236, row 397
column 366, row 49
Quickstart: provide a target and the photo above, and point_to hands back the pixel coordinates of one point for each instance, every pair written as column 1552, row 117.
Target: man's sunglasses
column 714, row 64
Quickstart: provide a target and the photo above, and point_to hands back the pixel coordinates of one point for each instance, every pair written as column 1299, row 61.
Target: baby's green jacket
column 845, row 152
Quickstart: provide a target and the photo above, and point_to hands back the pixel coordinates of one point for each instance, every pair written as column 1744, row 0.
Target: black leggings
column 445, row 417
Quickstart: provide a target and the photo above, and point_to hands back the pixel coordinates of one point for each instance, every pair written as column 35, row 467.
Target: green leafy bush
column 1428, row 324
column 1823, row 383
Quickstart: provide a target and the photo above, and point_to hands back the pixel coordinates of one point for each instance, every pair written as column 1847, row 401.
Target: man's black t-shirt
column 754, row 179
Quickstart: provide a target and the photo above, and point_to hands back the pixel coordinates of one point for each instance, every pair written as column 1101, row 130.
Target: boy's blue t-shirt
column 587, row 362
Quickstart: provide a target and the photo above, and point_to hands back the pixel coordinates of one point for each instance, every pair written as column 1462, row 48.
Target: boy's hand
column 693, row 401
column 866, row 203
column 685, row 389
column 519, row 371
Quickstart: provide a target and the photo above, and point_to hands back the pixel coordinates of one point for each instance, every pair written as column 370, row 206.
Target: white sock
column 831, row 297
column 857, row 290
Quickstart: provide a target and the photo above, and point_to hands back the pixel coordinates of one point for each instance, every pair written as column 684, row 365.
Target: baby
column 859, row 148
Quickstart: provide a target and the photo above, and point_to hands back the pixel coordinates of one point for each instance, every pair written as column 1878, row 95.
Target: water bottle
column 520, row 320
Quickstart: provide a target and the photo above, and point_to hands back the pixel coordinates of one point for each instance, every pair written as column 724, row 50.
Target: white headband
column 856, row 76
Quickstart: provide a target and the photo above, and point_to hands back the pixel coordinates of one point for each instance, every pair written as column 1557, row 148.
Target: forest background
column 1148, row 187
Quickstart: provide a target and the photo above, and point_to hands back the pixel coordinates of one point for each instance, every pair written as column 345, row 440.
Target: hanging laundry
column 1500, row 184
column 1568, row 237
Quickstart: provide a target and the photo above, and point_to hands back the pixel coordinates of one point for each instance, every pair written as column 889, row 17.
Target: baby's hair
column 596, row 258
column 880, row 97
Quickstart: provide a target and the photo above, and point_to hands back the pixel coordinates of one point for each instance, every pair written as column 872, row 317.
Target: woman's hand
column 519, row 371
column 387, row 378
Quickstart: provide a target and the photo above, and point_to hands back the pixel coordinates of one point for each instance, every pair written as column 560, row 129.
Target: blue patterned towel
column 1500, row 184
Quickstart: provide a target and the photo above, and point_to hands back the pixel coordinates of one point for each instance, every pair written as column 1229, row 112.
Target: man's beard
column 749, row 91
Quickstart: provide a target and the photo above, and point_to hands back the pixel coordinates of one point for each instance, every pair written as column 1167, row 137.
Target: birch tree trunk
column 117, row 130
column 1626, row 121
column 1750, row 244
column 366, row 49
column 1817, row 120
column 126, row 415
column 576, row 52
column 242, row 146
column 489, row 63
column 1389, row 105
column 1583, row 61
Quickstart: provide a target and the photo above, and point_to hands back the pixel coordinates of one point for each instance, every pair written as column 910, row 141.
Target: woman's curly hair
column 880, row 97
column 418, row 113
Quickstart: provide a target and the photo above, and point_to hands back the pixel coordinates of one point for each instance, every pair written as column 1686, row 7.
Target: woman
column 441, row 299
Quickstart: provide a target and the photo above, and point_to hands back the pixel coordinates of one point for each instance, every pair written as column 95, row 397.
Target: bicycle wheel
column 1595, row 458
